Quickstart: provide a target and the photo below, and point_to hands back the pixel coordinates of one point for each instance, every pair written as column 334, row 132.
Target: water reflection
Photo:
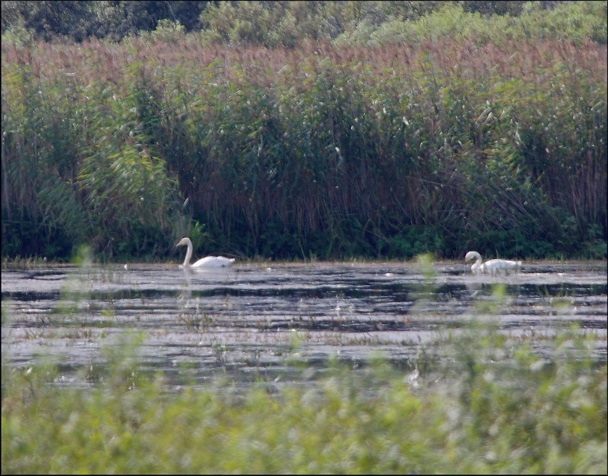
column 246, row 320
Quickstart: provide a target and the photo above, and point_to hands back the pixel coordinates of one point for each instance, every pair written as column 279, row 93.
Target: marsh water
column 253, row 321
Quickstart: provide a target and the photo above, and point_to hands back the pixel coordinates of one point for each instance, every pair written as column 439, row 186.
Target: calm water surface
column 250, row 321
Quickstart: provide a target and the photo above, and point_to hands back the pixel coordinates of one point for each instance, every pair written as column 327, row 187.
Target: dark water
column 250, row 321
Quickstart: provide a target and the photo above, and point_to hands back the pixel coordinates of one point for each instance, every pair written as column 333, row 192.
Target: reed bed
column 314, row 151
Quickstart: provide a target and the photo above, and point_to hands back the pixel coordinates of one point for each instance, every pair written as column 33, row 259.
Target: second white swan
column 492, row 266
column 207, row 261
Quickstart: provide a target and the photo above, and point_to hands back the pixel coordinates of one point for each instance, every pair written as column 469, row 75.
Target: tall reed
column 318, row 150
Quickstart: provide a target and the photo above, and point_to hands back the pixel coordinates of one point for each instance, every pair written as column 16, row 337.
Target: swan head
column 472, row 255
column 183, row 242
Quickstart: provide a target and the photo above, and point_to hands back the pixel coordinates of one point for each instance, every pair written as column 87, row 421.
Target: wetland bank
column 257, row 322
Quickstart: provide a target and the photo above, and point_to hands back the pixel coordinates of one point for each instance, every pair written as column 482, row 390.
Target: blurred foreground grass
column 498, row 407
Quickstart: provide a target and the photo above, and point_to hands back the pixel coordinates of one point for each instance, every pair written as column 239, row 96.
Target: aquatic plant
column 311, row 151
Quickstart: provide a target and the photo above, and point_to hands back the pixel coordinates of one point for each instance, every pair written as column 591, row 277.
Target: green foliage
column 81, row 20
column 525, row 21
column 126, row 193
column 287, row 24
column 469, row 138
column 416, row 240
column 48, row 19
column 509, row 405
column 166, row 31
column 499, row 409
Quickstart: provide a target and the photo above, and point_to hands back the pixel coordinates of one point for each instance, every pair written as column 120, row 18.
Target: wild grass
column 496, row 408
column 311, row 151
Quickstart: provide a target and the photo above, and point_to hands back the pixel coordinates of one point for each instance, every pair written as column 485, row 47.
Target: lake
column 256, row 322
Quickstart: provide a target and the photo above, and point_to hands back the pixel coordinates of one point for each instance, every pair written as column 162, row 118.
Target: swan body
column 206, row 262
column 493, row 266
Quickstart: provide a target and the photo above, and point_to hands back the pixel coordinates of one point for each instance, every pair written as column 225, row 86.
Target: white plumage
column 207, row 261
column 493, row 266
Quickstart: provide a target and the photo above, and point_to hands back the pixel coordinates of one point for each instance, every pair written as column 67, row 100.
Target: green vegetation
column 437, row 127
column 286, row 24
column 498, row 408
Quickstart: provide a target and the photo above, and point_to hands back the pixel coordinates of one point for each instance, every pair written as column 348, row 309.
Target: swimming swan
column 206, row 262
column 492, row 266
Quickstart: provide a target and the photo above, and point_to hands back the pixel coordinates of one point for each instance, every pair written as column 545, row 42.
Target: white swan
column 206, row 262
column 492, row 266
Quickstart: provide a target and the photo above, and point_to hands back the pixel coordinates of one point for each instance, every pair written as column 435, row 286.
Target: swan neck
column 188, row 254
column 477, row 257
